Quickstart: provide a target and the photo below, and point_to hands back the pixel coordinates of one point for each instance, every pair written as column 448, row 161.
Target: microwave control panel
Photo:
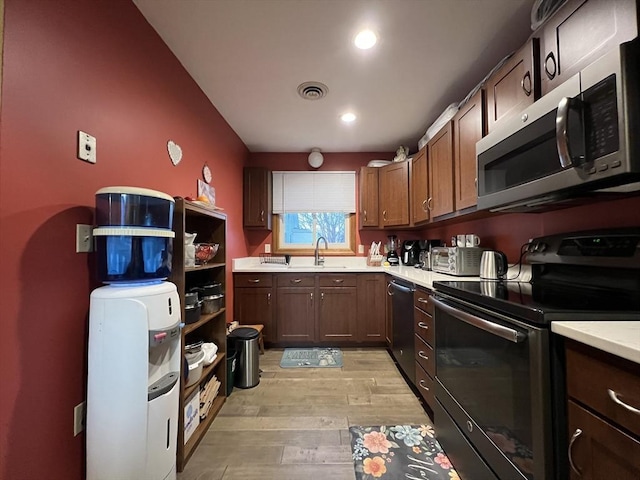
column 600, row 110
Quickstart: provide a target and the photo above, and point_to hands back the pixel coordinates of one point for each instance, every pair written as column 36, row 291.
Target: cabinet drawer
column 599, row 450
column 425, row 385
column 295, row 280
column 252, row 280
column 422, row 300
column 596, row 379
column 425, row 356
column 424, row 326
column 337, row 280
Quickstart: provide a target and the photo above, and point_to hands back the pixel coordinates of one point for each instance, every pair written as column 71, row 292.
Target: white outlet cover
column 175, row 152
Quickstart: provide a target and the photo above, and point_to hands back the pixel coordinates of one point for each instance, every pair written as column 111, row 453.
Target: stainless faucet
column 318, row 259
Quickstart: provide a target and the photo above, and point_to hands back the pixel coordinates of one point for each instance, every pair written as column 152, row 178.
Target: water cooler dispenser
column 134, row 355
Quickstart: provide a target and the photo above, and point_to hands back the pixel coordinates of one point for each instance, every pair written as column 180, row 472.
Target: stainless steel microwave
column 582, row 137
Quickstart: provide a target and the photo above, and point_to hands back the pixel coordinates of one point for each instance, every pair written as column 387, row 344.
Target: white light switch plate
column 86, row 147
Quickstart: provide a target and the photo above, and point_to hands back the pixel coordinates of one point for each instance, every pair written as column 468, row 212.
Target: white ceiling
column 249, row 56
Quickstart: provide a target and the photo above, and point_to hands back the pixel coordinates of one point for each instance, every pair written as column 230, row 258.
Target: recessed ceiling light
column 348, row 117
column 365, row 39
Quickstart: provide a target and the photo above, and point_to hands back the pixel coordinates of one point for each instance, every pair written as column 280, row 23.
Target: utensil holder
column 375, row 260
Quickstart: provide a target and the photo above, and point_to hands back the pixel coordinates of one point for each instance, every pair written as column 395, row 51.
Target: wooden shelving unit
column 210, row 226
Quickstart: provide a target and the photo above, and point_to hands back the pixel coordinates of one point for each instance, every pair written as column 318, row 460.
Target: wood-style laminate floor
column 295, row 424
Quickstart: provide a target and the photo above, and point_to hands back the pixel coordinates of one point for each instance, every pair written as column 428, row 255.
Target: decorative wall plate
column 206, row 173
column 175, row 152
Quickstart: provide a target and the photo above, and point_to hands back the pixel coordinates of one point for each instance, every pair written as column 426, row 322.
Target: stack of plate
column 378, row 163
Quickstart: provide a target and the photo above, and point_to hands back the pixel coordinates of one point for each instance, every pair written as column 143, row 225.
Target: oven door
column 493, row 382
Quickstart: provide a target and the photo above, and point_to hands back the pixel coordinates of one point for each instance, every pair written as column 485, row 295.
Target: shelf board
column 205, row 373
column 203, row 319
column 197, row 435
column 206, row 266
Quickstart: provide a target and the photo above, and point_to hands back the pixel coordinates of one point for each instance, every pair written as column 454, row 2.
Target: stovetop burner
column 544, row 303
column 578, row 276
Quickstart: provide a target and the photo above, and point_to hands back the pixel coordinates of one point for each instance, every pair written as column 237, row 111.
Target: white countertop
column 418, row 276
column 618, row 338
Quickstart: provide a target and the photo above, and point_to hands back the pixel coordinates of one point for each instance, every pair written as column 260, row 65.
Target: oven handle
column 493, row 328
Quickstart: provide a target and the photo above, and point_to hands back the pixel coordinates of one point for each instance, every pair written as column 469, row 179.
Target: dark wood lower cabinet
column 328, row 308
column 295, row 314
column 599, row 449
column 337, row 310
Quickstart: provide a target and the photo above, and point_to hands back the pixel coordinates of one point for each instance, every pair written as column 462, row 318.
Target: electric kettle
column 493, row 265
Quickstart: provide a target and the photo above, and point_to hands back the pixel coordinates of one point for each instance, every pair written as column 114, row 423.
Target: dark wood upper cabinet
column 257, row 198
column 368, row 197
column 514, row 86
column 419, row 188
column 440, row 160
column 468, row 128
column 394, row 194
column 580, row 32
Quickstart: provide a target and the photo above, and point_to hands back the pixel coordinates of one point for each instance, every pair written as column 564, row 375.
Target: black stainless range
column 500, row 390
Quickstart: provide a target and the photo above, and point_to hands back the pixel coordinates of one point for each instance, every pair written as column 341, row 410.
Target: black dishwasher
column 403, row 347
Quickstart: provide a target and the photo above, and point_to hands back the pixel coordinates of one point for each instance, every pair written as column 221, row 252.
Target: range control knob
column 541, row 247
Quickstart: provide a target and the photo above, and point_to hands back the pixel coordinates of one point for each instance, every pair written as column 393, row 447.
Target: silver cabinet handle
column 311, row 298
column 423, row 300
column 254, row 280
column 262, row 215
column 365, row 215
column 268, row 299
column 295, row 280
column 422, row 355
column 423, row 325
column 574, row 437
column 384, row 215
column 430, row 203
column 423, row 387
column 527, row 88
column 338, row 280
column 614, row 396
column 322, row 296
column 424, row 205
column 389, row 292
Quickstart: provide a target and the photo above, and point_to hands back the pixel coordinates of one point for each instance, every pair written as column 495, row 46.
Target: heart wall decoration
column 175, row 152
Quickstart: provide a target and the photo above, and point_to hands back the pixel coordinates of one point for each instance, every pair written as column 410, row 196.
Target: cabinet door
column 295, row 314
column 371, row 307
column 368, row 197
column 337, row 312
column 598, row 450
column 254, row 306
column 514, row 86
column 257, row 198
column 394, row 194
column 419, row 188
column 467, row 130
column 580, row 32
column 440, row 160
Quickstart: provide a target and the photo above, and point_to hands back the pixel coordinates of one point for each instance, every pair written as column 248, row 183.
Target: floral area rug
column 311, row 357
column 399, row 452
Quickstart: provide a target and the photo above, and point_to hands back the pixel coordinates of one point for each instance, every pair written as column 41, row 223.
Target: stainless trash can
column 247, row 374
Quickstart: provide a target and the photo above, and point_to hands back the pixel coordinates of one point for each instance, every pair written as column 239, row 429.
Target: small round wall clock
column 206, row 173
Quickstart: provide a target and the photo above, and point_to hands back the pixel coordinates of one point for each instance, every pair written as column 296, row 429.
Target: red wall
column 95, row 66
column 299, row 162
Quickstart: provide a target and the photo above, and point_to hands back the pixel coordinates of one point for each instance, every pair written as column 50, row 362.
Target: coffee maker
column 392, row 246
column 410, row 252
column 424, row 257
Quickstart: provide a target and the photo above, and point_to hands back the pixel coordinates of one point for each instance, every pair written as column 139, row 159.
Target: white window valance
column 314, row 192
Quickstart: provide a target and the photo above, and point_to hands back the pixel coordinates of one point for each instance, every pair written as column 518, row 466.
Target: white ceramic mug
column 461, row 240
column 472, row 240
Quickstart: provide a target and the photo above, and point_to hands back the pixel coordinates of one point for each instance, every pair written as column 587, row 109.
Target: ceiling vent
column 312, row 90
